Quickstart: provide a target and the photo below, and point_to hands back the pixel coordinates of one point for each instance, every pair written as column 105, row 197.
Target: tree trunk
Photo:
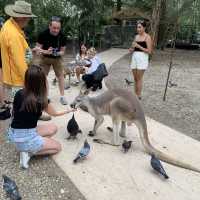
column 163, row 27
column 155, row 21
column 119, row 5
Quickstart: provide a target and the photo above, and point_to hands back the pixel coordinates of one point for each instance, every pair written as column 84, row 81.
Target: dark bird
column 73, row 128
column 85, row 150
column 157, row 166
column 171, row 84
column 126, row 145
column 128, row 82
column 11, row 188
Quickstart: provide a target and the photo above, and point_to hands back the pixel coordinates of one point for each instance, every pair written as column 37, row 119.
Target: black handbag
column 5, row 114
column 100, row 73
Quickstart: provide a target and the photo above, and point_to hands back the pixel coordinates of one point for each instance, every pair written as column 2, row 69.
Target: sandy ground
column 181, row 110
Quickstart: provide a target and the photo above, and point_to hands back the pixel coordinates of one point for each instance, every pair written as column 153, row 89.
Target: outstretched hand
column 72, row 110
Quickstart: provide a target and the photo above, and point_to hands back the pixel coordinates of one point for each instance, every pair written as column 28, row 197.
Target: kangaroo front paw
column 91, row 134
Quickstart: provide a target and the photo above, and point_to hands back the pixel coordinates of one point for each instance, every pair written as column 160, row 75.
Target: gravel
column 44, row 180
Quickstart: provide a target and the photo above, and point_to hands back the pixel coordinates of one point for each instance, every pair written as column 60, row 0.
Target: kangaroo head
column 81, row 100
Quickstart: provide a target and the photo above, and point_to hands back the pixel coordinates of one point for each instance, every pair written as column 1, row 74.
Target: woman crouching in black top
column 28, row 137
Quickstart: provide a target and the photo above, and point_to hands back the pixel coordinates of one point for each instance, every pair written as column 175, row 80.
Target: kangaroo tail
column 168, row 159
column 160, row 155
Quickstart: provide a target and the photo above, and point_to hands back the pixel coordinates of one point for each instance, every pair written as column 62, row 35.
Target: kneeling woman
column 28, row 137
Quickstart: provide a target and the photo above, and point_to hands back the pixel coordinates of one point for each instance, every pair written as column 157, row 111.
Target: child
column 88, row 77
column 28, row 137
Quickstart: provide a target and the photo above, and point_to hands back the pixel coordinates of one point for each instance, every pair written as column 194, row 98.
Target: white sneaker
column 24, row 159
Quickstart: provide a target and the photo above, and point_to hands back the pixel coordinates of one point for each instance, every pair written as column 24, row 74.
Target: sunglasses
column 55, row 18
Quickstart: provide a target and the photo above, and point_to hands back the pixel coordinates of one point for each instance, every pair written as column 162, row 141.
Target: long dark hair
column 35, row 90
column 80, row 52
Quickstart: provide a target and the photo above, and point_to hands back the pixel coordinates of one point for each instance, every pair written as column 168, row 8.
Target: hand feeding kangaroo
column 123, row 106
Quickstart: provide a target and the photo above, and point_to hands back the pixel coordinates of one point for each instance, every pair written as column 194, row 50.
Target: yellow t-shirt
column 13, row 47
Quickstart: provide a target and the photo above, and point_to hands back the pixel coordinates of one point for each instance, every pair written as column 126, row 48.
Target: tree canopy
column 84, row 19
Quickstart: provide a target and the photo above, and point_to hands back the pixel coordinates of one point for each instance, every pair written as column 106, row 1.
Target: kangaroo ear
column 86, row 92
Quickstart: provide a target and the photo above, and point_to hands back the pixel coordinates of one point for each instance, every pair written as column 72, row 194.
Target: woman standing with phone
column 141, row 49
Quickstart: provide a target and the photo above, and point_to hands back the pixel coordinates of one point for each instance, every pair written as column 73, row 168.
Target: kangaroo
column 122, row 106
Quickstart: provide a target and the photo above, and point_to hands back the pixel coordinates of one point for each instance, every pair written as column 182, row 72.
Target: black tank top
column 141, row 43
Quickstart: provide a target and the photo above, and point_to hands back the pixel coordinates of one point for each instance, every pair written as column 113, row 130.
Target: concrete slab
column 109, row 174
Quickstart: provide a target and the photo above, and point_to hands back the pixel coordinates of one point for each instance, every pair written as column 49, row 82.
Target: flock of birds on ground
column 73, row 129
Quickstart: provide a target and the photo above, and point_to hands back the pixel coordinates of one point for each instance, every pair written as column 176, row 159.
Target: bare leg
column 1, row 94
column 138, row 77
column 47, row 130
column 134, row 71
column 140, row 74
column 50, row 147
column 61, row 83
column 78, row 72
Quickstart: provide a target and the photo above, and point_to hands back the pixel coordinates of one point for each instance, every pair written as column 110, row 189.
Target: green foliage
column 84, row 19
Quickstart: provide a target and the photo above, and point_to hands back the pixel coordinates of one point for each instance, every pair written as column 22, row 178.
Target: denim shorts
column 27, row 140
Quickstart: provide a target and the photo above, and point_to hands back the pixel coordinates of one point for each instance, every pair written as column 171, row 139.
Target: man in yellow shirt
column 1, row 83
column 15, row 52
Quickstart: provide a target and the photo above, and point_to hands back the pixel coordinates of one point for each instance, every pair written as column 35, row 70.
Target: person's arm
column 131, row 49
column 62, row 51
column 149, row 45
column 98, row 60
column 39, row 49
column 63, row 41
column 39, row 45
column 51, row 111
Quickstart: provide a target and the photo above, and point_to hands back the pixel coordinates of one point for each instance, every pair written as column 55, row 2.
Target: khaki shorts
column 56, row 63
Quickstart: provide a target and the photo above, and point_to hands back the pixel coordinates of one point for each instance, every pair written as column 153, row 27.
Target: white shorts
column 140, row 60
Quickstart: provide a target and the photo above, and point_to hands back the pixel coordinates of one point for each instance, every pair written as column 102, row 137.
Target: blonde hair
column 92, row 51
